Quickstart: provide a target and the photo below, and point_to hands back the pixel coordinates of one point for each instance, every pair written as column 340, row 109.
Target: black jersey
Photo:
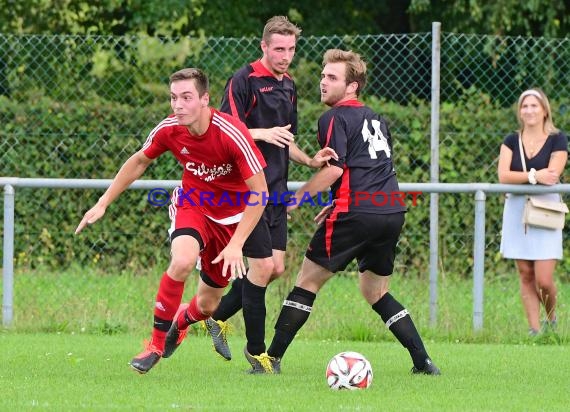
column 260, row 100
column 554, row 142
column 363, row 143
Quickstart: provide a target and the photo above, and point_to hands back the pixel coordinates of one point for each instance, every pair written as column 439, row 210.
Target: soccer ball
column 349, row 370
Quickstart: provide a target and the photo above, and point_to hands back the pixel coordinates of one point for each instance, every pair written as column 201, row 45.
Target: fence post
column 8, row 258
column 434, row 171
column 478, row 260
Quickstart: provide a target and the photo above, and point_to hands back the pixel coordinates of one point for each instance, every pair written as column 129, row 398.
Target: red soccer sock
column 167, row 301
column 191, row 315
column 158, row 338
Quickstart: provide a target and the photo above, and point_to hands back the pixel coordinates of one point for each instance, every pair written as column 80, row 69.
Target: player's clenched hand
column 233, row 259
column 279, row 136
column 90, row 217
column 323, row 156
column 323, row 214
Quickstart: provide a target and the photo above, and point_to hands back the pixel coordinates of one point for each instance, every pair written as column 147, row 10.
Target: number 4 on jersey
column 376, row 141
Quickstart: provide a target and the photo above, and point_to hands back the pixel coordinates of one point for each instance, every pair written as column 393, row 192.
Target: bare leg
column 546, row 289
column 529, row 295
column 278, row 264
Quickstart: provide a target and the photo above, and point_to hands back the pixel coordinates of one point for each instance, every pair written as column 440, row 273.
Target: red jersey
column 216, row 164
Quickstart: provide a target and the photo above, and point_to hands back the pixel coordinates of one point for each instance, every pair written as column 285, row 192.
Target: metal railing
column 447, row 96
column 480, row 191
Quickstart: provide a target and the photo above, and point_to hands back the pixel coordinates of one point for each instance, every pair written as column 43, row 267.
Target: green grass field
column 74, row 333
column 64, row 371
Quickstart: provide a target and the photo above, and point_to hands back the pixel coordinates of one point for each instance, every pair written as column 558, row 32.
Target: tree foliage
column 118, row 17
column 506, row 17
column 321, row 17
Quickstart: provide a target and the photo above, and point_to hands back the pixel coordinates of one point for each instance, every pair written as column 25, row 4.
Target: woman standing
column 534, row 249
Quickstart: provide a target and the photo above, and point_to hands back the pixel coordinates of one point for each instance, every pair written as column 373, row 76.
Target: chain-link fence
column 78, row 106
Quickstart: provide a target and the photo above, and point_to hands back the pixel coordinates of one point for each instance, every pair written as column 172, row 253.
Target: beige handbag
column 545, row 214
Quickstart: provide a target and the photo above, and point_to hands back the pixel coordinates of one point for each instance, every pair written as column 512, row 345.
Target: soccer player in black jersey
column 264, row 96
column 365, row 219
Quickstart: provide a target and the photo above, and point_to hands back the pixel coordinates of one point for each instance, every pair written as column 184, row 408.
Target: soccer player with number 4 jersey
column 350, row 229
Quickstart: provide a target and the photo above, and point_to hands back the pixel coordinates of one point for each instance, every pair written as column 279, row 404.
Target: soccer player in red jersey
column 264, row 96
column 352, row 227
column 212, row 214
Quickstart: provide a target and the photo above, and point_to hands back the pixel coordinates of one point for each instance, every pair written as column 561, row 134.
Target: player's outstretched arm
column 320, row 159
column 131, row 170
column 279, row 135
column 323, row 214
column 232, row 254
column 320, row 182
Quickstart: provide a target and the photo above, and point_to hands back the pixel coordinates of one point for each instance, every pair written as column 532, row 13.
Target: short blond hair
column 355, row 66
column 549, row 127
column 280, row 25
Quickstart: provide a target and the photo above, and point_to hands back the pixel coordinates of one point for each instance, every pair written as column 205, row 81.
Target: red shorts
column 212, row 237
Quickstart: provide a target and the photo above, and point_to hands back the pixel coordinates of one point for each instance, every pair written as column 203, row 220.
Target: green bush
column 92, row 140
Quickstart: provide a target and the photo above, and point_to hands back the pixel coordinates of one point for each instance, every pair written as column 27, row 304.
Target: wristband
column 532, row 176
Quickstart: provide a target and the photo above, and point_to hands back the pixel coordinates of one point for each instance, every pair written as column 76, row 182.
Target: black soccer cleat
column 175, row 336
column 145, row 360
column 263, row 363
column 218, row 330
column 428, row 369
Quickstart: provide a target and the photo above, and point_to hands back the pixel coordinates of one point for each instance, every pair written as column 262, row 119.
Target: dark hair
column 355, row 66
column 199, row 77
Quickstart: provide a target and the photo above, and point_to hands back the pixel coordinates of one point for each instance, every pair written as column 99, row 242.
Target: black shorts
column 275, row 220
column 258, row 244
column 370, row 238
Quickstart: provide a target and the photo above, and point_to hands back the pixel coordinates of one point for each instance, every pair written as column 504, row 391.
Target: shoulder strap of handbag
column 521, row 152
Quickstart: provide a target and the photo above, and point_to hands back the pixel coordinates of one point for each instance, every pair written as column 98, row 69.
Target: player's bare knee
column 278, row 270
column 180, row 267
column 207, row 306
column 372, row 286
column 268, row 266
column 260, row 272
column 373, row 296
column 262, row 267
column 308, row 283
column 208, row 311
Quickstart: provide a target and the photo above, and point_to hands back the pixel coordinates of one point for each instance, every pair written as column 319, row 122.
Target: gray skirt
column 534, row 243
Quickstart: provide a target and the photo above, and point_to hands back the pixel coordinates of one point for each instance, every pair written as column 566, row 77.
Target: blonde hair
column 355, row 66
column 280, row 25
column 548, row 126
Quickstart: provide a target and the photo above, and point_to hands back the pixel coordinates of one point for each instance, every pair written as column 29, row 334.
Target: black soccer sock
column 294, row 313
column 253, row 298
column 400, row 323
column 231, row 302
